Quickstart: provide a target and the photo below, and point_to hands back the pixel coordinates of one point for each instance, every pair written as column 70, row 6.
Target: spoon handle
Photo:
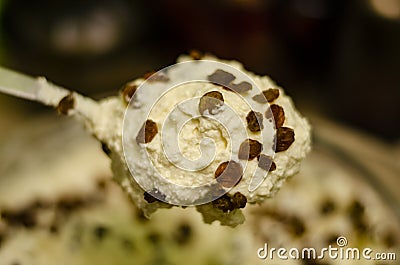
column 18, row 85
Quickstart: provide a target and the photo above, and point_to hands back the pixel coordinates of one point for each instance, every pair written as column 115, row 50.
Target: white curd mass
column 227, row 138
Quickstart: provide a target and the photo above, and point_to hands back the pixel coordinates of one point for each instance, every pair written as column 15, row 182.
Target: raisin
column 154, row 238
column 255, row 121
column 220, row 77
column 390, row 240
column 105, row 148
column 24, row 217
column 66, row 104
column 195, row 54
column 149, row 198
column 327, row 207
column 183, row 234
column 285, row 138
column 241, row 87
column 70, row 204
column 229, row 173
column 147, row 132
column 265, row 162
column 239, row 200
column 224, row 203
column 278, row 113
column 296, row 225
column 54, row 229
column 356, row 214
column 250, row 149
column 154, row 196
column 101, row 232
column 356, row 210
column 267, row 96
column 211, row 101
column 128, row 91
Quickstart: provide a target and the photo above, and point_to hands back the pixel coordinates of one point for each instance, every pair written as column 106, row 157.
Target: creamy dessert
column 247, row 117
column 202, row 132
column 63, row 206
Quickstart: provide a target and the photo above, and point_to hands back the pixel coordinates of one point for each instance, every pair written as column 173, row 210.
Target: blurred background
column 337, row 58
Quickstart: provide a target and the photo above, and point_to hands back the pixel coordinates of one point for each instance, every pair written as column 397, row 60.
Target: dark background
column 340, row 58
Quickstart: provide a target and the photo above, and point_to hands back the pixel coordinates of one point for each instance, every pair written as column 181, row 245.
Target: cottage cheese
column 178, row 166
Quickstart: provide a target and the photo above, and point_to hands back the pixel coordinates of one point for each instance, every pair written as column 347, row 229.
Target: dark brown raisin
column 149, row 198
column 260, row 98
column 128, row 91
column 296, row 225
column 147, row 132
column 327, row 207
column 265, row 162
column 250, row 149
column 356, row 210
column 220, row 77
column 229, row 173
column 285, row 138
column 195, row 54
column 273, row 166
column 101, row 232
column 69, row 204
column 154, row 237
column 66, row 104
column 105, row 148
column 241, row 87
column 267, row 95
column 223, row 203
column 279, row 115
column 390, row 240
column 54, row 229
column 183, row 234
column 154, row 196
column 239, row 200
column 255, row 121
column 211, row 101
column 24, row 217
column 356, row 215
column 2, row 237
